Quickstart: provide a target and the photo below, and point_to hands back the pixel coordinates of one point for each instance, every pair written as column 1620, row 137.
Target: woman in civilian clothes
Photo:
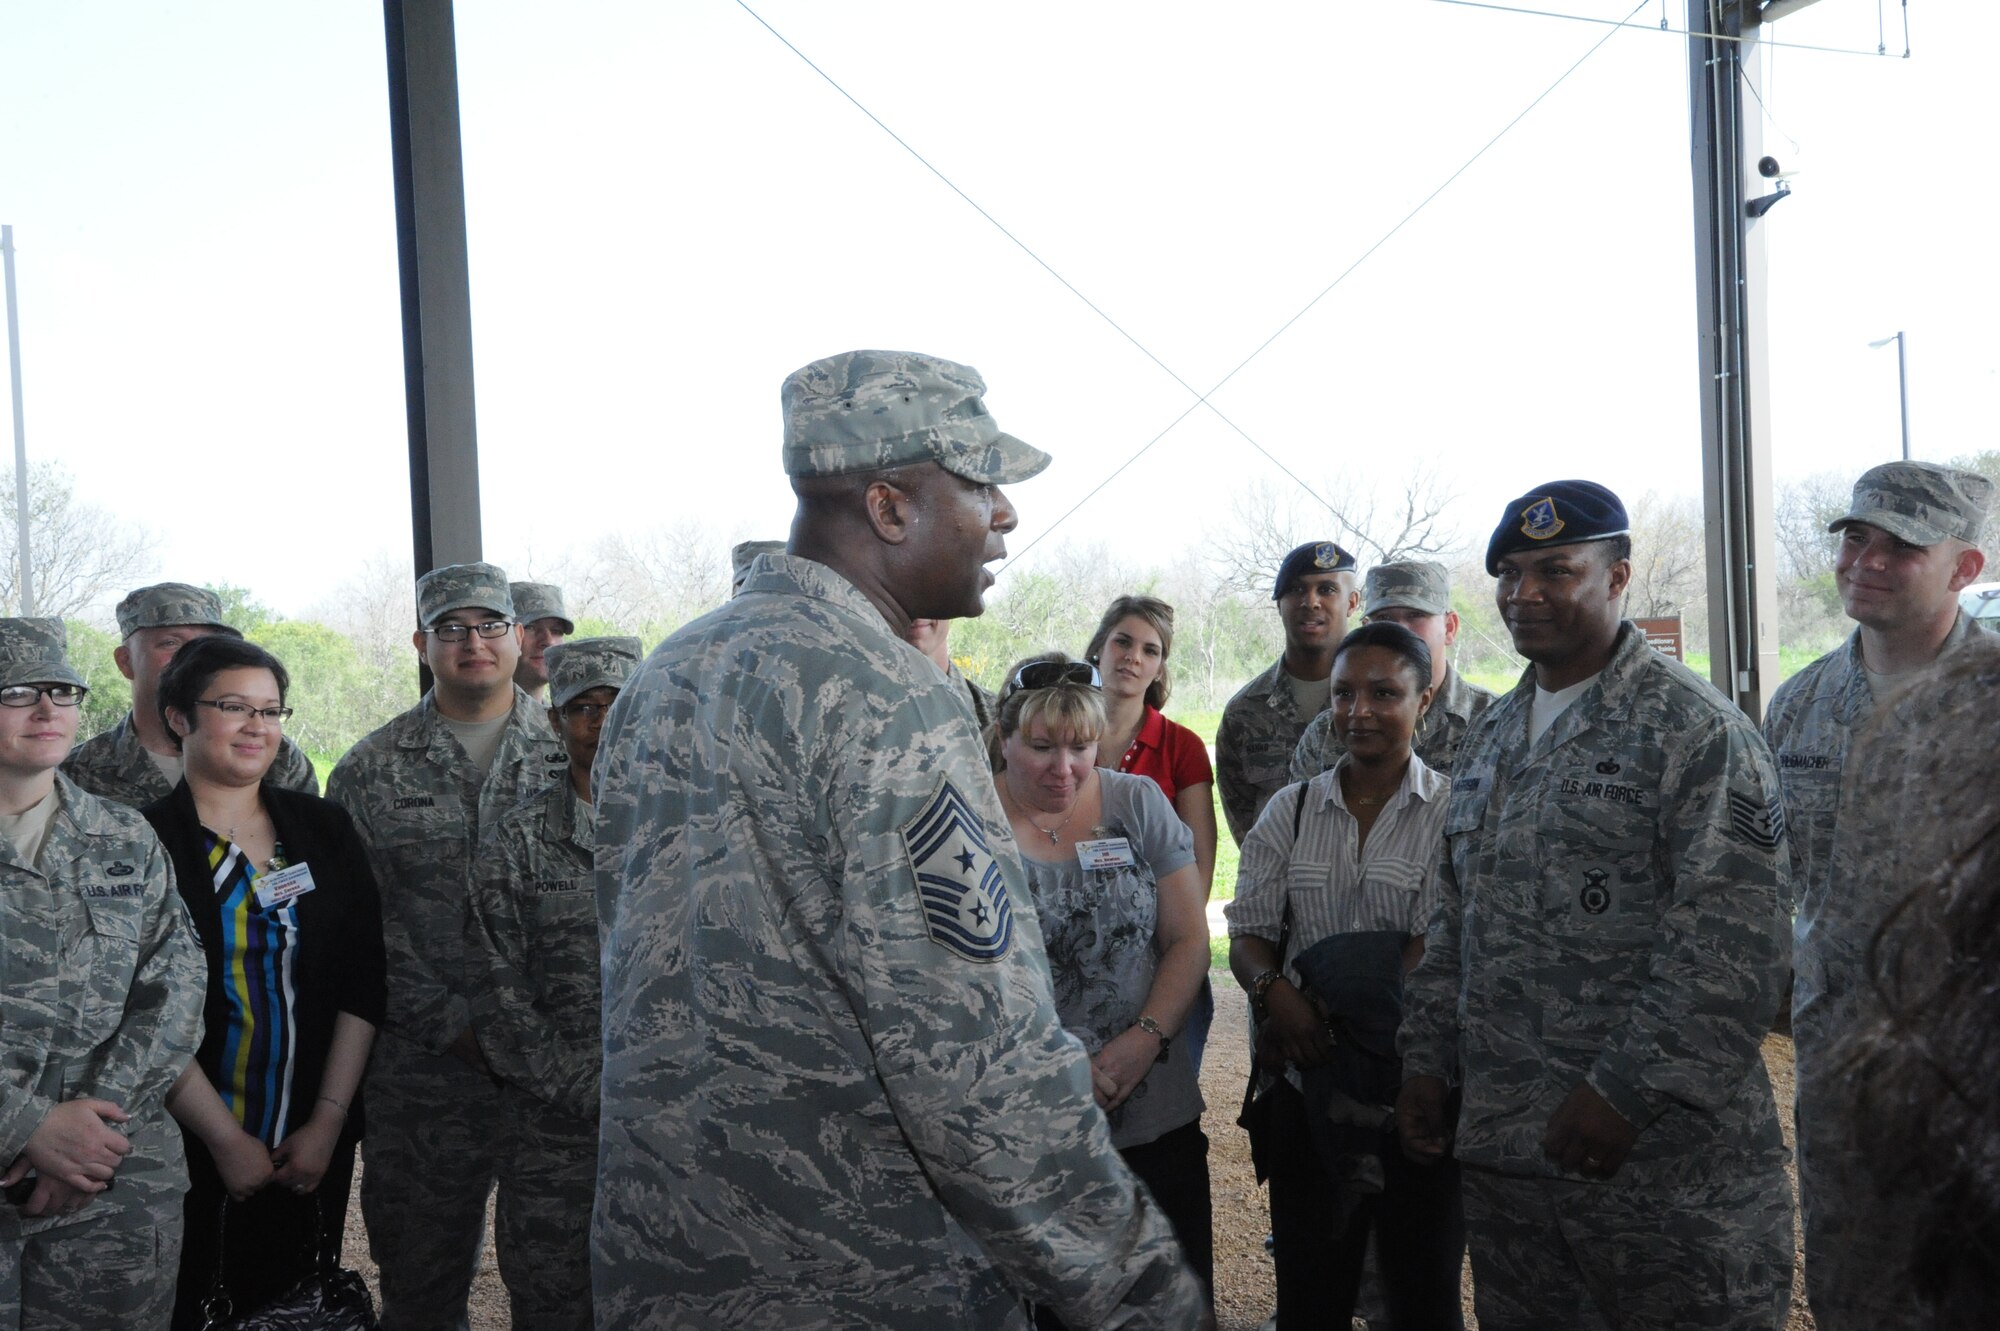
column 1130, row 650
column 1117, row 894
column 1343, row 869
column 280, row 891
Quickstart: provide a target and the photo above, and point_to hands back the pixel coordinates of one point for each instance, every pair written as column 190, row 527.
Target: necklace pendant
column 1054, row 840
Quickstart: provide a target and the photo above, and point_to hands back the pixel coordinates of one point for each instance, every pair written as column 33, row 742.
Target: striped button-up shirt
column 1332, row 883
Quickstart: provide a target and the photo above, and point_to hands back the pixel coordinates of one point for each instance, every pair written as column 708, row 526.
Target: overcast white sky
column 669, row 211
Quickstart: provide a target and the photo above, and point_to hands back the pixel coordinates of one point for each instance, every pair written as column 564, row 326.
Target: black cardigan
column 339, row 965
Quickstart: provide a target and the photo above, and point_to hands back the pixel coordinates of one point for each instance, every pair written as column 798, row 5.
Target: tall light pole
column 20, row 430
column 1902, row 382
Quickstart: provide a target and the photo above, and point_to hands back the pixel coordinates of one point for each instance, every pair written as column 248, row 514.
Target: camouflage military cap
column 582, row 664
column 741, row 556
column 167, row 605
column 1410, row 584
column 862, row 410
column 463, row 587
column 1920, row 502
column 540, row 600
column 35, row 651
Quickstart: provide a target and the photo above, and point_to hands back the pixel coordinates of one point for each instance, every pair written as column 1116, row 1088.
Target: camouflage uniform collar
column 125, row 743
column 795, row 575
column 1456, row 697
column 81, row 813
column 1270, row 686
column 1858, row 695
column 419, row 727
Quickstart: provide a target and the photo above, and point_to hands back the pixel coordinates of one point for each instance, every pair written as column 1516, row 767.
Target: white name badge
column 1114, row 852
column 275, row 889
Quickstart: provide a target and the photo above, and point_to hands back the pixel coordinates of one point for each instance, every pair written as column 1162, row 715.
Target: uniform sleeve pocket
column 113, row 920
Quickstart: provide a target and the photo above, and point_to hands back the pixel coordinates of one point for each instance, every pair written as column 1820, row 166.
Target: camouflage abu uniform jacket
column 534, row 930
column 985, row 707
column 1812, row 719
column 1613, row 910
column 1260, row 727
column 101, row 986
column 1439, row 735
column 836, row 1091
column 114, row 765
column 420, row 806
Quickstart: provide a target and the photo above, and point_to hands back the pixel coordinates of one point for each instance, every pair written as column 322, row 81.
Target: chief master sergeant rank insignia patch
column 965, row 899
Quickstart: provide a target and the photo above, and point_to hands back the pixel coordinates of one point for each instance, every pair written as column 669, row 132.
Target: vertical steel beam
column 1730, row 287
column 436, row 284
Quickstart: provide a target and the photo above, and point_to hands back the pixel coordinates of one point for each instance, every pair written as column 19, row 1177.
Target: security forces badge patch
column 1326, row 555
column 966, row 910
column 1539, row 521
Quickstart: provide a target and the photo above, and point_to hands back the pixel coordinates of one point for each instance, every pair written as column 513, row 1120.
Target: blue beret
column 1559, row 513
column 1312, row 557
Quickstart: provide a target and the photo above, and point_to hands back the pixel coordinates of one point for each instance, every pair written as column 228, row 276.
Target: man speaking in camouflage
column 1908, row 546
column 1603, row 965
column 835, row 1089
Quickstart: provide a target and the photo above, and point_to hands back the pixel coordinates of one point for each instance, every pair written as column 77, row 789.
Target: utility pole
column 20, row 428
column 1902, row 381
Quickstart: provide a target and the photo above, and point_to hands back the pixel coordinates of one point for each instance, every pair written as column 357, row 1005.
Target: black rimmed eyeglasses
column 27, row 695
column 1051, row 674
column 492, row 628
column 243, row 711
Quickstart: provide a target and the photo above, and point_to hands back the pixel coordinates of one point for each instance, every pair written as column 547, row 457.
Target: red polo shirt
column 1169, row 752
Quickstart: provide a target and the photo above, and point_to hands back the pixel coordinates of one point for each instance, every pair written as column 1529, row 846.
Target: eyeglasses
column 243, row 711
column 492, row 628
column 1050, row 674
column 27, row 695
column 585, row 711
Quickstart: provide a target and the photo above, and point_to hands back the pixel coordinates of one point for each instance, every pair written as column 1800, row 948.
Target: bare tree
column 654, row 581
column 1402, row 519
column 82, row 555
column 1669, row 557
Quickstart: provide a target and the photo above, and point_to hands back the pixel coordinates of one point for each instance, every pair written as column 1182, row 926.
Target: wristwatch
column 1153, row 1028
column 1260, row 989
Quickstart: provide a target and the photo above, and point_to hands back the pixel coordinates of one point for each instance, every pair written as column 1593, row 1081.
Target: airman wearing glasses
column 533, row 930
column 836, row 1089
column 136, row 761
column 100, row 1009
column 422, row 789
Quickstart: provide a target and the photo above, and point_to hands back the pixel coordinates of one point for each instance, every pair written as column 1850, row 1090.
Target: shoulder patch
column 1762, row 825
column 966, row 910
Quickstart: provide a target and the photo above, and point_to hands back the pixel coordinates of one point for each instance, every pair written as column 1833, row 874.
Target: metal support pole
column 27, row 558
column 1735, row 417
column 436, row 284
column 1903, row 386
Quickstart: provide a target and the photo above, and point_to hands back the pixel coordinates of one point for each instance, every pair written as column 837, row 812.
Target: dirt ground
column 1242, row 1269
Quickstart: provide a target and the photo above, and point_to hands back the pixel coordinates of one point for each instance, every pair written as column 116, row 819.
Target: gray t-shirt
column 1100, row 931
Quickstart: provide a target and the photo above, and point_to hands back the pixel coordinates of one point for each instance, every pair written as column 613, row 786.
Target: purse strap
column 1284, row 939
column 216, row 1305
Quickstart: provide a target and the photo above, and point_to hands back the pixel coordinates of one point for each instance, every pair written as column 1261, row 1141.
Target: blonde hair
column 1072, row 710
column 1156, row 613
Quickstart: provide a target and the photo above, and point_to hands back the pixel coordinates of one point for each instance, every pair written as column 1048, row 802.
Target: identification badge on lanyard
column 1112, row 852
column 275, row 889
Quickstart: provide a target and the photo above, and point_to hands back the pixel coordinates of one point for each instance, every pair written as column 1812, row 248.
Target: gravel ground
column 1242, row 1270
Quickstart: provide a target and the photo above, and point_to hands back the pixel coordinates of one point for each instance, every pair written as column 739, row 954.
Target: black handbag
column 332, row 1298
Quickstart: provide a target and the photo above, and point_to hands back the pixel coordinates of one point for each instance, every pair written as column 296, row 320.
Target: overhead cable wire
column 1201, row 399
column 1627, row 22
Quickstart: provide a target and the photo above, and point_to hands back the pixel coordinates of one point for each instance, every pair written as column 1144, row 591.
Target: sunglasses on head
column 1050, row 674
